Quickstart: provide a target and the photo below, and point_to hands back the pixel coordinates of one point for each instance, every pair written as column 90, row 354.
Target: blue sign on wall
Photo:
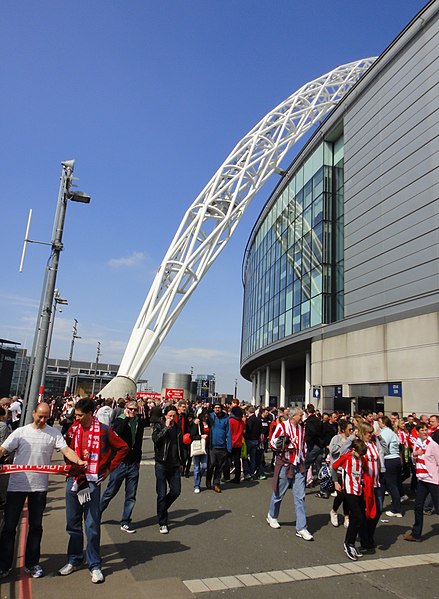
column 316, row 392
column 338, row 391
column 394, row 389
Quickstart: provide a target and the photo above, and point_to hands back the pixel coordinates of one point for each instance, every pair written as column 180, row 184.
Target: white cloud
column 129, row 261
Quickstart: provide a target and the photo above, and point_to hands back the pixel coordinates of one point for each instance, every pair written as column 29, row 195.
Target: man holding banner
column 33, row 445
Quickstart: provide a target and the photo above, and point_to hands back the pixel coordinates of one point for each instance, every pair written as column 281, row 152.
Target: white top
column 15, row 410
column 104, row 415
column 32, row 446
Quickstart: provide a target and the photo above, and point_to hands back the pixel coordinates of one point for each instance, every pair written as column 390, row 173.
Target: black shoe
column 235, row 481
column 350, row 552
column 322, row 495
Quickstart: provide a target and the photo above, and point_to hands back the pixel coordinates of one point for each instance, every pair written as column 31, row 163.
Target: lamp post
column 236, row 388
column 57, row 300
column 72, row 345
column 98, row 353
column 64, row 194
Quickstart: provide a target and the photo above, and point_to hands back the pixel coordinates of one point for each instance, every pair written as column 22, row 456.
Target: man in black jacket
column 313, row 439
column 253, row 429
column 129, row 427
column 168, row 455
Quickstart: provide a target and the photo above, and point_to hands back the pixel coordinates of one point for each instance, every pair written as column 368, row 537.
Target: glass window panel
column 317, row 210
column 297, row 292
column 306, row 285
column 282, row 301
column 307, row 194
column 338, row 150
column 288, row 323
column 316, row 281
column 289, row 298
column 317, row 244
column 296, row 319
column 307, row 220
column 317, row 182
column 305, row 314
column 316, row 310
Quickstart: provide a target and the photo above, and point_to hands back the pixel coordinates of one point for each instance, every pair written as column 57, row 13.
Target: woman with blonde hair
column 374, row 466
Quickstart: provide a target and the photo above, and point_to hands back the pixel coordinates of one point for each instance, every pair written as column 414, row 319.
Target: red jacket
column 236, row 430
column 113, row 449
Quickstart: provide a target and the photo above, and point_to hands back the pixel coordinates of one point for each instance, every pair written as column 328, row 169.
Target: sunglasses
column 132, row 409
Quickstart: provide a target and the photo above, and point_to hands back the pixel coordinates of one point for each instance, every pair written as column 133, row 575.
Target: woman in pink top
column 426, row 458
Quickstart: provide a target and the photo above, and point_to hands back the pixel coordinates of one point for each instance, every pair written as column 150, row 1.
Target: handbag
column 198, row 447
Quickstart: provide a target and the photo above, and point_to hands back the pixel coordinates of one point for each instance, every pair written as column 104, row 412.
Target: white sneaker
column 404, row 498
column 334, row 518
column 334, row 494
column 304, row 534
column 163, row 530
column 197, row 490
column 393, row 514
column 97, row 576
column 68, row 569
column 272, row 522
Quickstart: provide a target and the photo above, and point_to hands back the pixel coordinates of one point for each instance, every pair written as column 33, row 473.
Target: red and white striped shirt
column 296, row 450
column 421, row 470
column 352, row 473
column 372, row 462
column 404, row 437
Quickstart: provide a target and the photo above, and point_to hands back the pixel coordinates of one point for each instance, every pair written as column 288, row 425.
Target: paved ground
column 220, row 545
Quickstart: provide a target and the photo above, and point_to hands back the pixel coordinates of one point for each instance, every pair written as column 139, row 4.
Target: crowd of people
column 354, row 460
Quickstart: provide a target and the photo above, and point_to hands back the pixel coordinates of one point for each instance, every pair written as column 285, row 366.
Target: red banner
column 148, row 395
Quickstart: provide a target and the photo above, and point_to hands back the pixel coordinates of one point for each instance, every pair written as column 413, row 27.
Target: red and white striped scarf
column 90, row 454
column 421, row 469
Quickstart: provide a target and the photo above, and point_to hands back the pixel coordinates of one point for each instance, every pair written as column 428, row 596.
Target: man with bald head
column 33, row 445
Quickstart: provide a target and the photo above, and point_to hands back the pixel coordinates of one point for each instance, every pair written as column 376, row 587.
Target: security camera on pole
column 36, row 389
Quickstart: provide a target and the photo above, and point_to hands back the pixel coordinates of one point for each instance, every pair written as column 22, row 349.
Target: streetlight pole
column 64, row 194
column 57, row 299
column 72, row 345
column 98, row 353
column 236, row 388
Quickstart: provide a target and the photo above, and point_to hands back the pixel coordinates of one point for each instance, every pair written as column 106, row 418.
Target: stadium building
column 341, row 277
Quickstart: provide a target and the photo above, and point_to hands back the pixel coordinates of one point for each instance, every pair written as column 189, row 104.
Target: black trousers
column 217, row 458
column 356, row 516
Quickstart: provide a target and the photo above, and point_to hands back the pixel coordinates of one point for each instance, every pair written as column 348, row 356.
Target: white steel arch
column 211, row 219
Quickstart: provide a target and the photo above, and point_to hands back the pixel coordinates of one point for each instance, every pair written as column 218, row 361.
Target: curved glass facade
column 293, row 272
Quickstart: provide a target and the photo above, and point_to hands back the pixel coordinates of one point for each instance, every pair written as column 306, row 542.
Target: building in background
column 205, row 386
column 341, row 271
column 8, row 354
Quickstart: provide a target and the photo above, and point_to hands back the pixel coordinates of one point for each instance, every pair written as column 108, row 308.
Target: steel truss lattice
column 212, row 218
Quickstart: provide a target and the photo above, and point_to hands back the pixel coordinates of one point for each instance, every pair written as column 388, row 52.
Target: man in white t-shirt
column 33, row 444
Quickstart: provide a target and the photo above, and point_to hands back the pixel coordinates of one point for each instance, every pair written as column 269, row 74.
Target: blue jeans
column 165, row 475
column 36, row 502
column 250, row 463
column 90, row 511
column 200, row 467
column 422, row 491
column 130, row 474
column 297, row 484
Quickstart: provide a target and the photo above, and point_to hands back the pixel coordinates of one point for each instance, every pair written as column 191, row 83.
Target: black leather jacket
column 161, row 442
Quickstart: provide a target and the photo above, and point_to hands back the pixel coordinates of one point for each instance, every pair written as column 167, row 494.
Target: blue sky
column 148, row 98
